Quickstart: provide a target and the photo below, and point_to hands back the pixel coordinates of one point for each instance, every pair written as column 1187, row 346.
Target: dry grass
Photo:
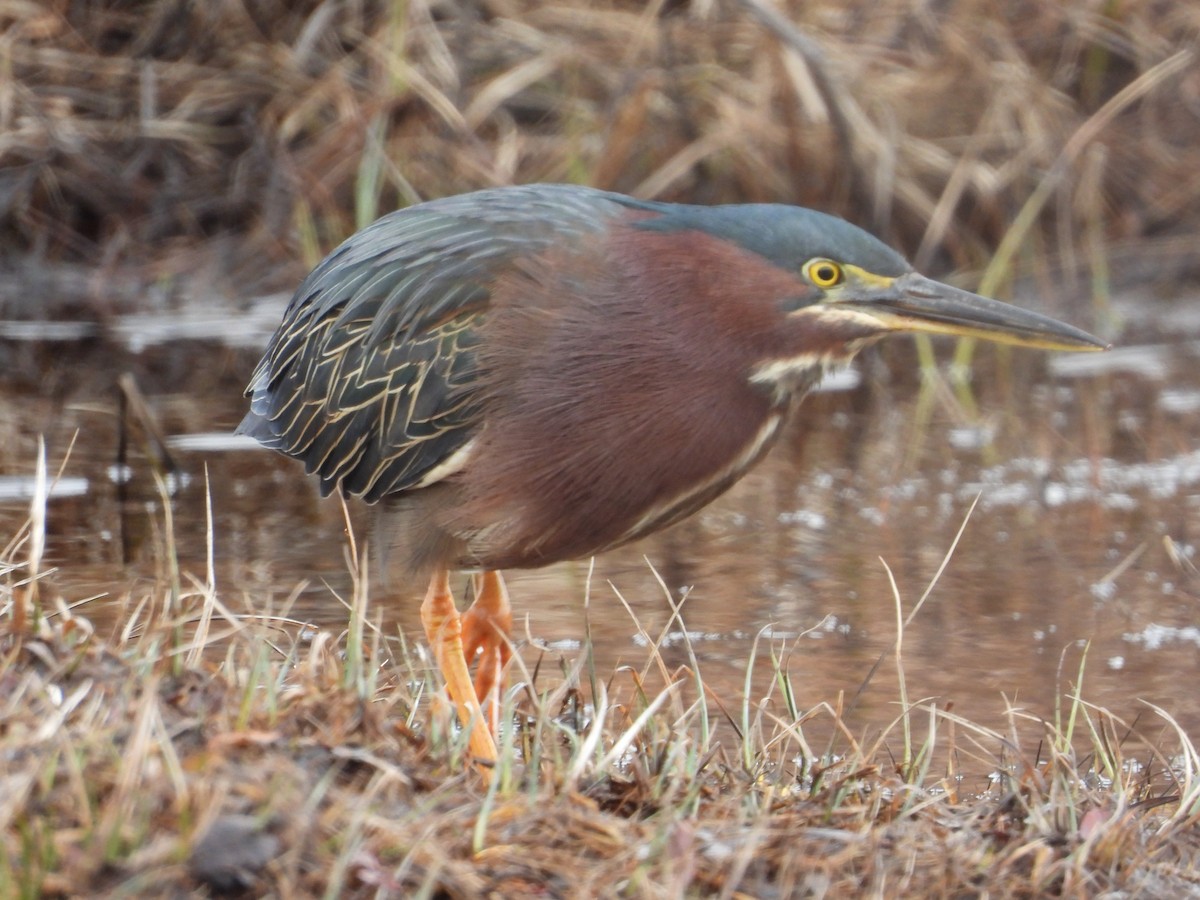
column 176, row 136
column 192, row 749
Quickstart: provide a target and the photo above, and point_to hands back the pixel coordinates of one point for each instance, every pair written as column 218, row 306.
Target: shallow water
column 1083, row 471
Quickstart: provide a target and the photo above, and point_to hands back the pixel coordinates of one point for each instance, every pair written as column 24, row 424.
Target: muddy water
column 1084, row 473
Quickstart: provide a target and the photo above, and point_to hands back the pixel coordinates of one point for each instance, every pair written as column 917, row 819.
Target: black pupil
column 826, row 273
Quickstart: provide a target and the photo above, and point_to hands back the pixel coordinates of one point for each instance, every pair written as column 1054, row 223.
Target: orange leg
column 486, row 629
column 444, row 631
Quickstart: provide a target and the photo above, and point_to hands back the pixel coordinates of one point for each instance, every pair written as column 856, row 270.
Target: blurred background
column 169, row 171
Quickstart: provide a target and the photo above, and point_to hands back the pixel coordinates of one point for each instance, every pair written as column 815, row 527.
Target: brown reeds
column 153, row 133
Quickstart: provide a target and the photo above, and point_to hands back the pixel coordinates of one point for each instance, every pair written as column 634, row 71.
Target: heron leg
column 444, row 631
column 487, row 630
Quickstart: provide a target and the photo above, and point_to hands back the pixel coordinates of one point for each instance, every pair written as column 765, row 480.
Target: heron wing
column 371, row 378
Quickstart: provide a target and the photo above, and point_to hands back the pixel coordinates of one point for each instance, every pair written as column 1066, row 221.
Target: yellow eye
column 823, row 273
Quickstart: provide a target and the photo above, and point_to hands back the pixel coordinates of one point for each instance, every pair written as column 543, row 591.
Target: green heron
column 532, row 374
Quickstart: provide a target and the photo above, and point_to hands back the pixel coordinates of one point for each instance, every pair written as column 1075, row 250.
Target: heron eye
column 823, row 272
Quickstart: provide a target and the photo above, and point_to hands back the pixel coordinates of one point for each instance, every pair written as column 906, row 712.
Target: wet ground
column 1084, row 471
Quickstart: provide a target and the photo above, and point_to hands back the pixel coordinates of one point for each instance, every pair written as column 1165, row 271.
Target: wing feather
column 371, row 379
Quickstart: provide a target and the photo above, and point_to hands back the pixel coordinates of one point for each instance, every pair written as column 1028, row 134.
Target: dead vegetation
column 193, row 750
column 216, row 136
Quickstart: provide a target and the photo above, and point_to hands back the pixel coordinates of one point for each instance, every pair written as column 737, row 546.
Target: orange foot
column 444, row 631
column 487, row 630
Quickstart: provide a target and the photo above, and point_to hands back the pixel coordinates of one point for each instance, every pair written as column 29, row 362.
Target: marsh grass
column 227, row 135
column 192, row 748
